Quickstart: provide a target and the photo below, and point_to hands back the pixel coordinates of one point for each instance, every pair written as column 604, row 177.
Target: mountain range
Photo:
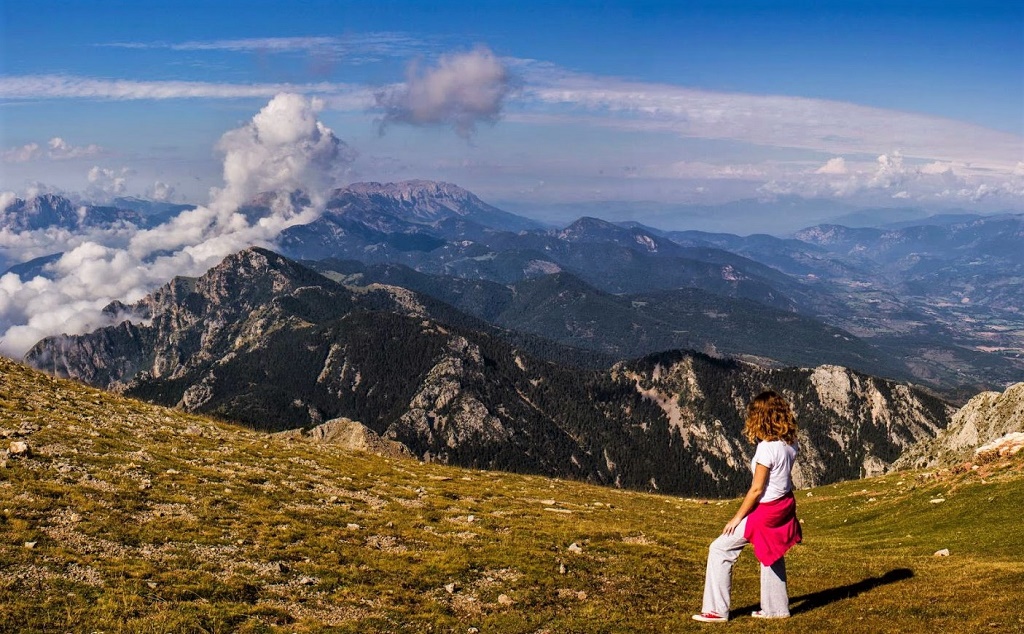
column 936, row 299
column 267, row 342
column 475, row 337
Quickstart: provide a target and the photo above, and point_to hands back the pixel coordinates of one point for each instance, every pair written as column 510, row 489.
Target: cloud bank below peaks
column 461, row 90
column 283, row 148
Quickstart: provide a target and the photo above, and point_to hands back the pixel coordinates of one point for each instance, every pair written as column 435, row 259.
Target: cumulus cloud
column 7, row 198
column 105, row 182
column 284, row 147
column 461, row 90
column 23, row 154
column 835, row 165
column 937, row 167
column 160, row 191
column 57, row 149
column 61, row 149
column 892, row 176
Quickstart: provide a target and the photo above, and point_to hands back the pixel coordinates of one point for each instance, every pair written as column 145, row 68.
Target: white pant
column 718, row 583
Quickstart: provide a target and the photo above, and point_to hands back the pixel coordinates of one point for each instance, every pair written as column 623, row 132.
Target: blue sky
column 857, row 103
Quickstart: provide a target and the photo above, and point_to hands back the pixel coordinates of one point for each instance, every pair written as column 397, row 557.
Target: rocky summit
column 269, row 343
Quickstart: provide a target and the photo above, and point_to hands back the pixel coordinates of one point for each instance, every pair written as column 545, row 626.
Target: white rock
column 450, row 588
column 353, row 527
column 561, row 569
column 504, row 599
column 575, row 548
column 30, row 544
column 20, row 448
column 942, row 553
column 307, row 581
column 937, row 500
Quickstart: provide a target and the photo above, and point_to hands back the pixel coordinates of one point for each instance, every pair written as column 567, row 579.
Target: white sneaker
column 710, row 617
column 761, row 614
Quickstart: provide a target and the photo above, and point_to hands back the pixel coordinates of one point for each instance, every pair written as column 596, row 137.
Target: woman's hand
column 730, row 528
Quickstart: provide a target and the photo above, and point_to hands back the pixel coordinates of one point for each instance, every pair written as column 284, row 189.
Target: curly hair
column 769, row 417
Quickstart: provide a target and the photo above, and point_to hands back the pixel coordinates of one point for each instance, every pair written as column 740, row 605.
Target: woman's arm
column 751, row 499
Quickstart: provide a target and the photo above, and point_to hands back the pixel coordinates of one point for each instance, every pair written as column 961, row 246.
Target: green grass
column 150, row 520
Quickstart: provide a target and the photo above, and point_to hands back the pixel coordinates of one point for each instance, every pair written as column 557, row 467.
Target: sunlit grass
column 150, row 520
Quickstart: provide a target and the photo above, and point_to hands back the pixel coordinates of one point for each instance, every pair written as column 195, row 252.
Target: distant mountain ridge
column 563, row 308
column 50, row 210
column 941, row 297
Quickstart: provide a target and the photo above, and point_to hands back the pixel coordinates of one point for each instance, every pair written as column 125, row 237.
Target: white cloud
column 701, row 170
column 106, row 183
column 890, row 172
column 23, row 154
column 57, row 149
column 892, row 177
column 359, row 47
column 766, row 120
column 835, row 165
column 284, row 146
column 7, row 198
column 160, row 191
column 461, row 90
column 70, row 87
column 937, row 167
column 61, row 149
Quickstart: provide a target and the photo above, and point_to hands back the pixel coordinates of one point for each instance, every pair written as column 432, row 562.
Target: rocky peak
column 418, row 199
column 189, row 322
column 40, row 212
column 414, row 190
column 254, row 274
column 52, row 210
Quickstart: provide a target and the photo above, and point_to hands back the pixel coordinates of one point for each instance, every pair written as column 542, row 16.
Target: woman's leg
column 774, row 594
column 718, row 581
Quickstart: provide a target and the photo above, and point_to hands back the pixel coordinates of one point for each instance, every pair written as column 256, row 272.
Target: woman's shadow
column 814, row 600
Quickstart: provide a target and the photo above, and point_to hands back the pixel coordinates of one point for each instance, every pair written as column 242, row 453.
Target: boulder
column 350, row 435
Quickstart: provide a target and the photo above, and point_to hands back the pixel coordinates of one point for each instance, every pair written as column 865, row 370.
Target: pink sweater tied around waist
column 773, row 529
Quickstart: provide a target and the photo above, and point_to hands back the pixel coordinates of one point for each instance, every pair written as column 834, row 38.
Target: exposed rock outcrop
column 985, row 419
column 351, row 435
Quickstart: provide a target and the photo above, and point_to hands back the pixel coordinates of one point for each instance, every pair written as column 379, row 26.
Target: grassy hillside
column 130, row 517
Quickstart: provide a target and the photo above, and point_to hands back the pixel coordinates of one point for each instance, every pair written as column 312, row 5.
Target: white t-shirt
column 778, row 456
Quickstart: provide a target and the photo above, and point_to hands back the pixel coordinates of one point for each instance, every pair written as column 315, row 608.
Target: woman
column 766, row 517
